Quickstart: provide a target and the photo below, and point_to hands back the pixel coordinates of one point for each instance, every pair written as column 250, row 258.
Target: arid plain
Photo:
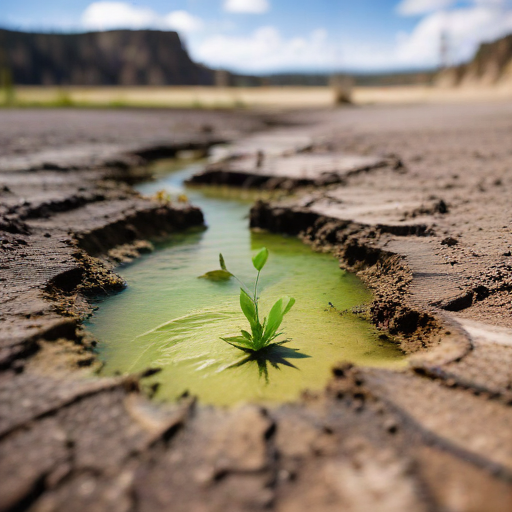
column 413, row 196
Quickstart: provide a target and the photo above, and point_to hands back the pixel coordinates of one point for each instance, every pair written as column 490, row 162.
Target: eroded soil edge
column 374, row 440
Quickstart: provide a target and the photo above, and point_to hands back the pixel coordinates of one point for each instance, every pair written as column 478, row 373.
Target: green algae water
column 169, row 319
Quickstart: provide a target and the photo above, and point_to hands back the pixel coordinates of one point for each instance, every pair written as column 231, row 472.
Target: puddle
column 169, row 319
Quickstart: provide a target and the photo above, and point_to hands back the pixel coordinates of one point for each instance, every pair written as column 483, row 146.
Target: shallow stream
column 167, row 318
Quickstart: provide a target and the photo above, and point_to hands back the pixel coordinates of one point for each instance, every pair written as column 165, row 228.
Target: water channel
column 169, row 319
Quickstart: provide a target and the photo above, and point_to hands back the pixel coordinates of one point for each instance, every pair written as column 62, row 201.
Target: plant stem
column 241, row 284
column 256, row 295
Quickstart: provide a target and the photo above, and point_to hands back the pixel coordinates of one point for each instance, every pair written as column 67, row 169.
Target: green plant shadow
column 274, row 356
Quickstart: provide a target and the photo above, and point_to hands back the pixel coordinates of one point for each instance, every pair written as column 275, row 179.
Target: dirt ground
column 415, row 198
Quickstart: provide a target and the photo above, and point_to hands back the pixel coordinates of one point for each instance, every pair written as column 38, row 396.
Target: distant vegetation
column 359, row 79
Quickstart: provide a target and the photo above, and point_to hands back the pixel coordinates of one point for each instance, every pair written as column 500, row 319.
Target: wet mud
column 428, row 229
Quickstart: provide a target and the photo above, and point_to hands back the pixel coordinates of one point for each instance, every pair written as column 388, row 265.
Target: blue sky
column 258, row 36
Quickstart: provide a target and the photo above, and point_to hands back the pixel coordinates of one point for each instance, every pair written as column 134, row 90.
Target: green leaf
column 247, row 335
column 248, row 307
column 275, row 317
column 260, row 259
column 237, row 339
column 276, row 335
column 287, row 340
column 257, row 335
column 239, row 342
column 291, row 302
column 222, row 262
column 217, row 275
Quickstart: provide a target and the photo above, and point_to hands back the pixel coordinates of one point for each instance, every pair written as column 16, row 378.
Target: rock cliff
column 491, row 65
column 118, row 57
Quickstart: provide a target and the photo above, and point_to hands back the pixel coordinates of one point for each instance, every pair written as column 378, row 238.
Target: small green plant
column 263, row 334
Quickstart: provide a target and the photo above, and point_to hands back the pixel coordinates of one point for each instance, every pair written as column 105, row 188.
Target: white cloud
column 247, row 6
column 265, row 50
column 465, row 29
column 495, row 3
column 182, row 21
column 108, row 15
column 415, row 7
column 118, row 15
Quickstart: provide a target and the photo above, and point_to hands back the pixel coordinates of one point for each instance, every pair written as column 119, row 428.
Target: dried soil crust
column 288, row 172
column 436, row 437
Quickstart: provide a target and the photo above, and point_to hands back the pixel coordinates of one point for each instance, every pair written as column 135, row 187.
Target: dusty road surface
column 416, row 199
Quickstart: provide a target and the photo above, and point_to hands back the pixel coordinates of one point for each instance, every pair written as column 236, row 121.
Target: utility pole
column 222, row 78
column 341, row 83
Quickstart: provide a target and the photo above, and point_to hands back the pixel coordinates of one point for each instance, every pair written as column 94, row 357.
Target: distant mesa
column 491, row 65
column 117, row 57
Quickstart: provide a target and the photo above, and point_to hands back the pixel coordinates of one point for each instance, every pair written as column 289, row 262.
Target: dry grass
column 429, row 94
column 211, row 97
column 186, row 97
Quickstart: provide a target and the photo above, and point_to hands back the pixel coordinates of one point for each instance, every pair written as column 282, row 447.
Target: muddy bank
column 435, row 437
column 298, row 169
column 358, row 249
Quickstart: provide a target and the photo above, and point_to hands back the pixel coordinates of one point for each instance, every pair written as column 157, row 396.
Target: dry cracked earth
column 416, row 199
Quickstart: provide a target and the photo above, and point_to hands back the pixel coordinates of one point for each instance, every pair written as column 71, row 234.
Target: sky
column 264, row 36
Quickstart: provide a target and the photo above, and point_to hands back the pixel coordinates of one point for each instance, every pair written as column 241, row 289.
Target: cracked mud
column 415, row 199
